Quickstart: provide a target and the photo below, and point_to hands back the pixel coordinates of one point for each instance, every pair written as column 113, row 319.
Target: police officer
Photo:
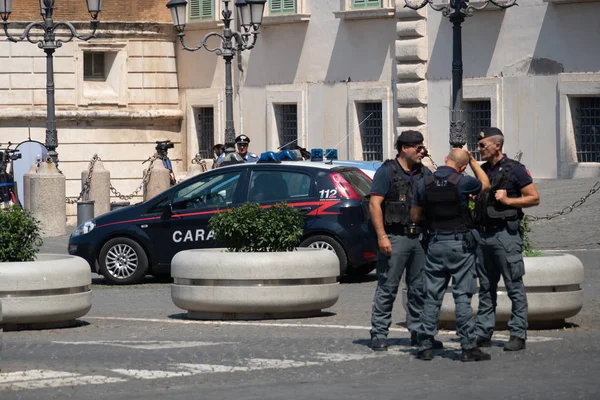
column 397, row 237
column 498, row 215
column 241, row 143
column 442, row 200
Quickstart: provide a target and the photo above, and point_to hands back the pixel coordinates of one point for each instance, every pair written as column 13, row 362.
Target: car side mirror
column 167, row 211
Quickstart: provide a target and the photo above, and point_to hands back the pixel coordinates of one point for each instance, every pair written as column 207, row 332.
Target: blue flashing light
column 286, row 155
column 268, row 157
column 331, row 154
column 316, row 154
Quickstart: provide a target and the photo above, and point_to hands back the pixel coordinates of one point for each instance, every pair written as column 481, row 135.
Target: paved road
column 136, row 344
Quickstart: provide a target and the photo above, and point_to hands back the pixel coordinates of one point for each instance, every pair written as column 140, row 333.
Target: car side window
column 266, row 186
column 212, row 191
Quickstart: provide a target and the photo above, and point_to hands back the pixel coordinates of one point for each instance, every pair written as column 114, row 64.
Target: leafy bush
column 528, row 250
column 20, row 238
column 252, row 228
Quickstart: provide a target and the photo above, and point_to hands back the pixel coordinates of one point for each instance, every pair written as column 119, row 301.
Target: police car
column 126, row 244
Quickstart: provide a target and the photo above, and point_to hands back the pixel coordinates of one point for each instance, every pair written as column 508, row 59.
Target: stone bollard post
column 99, row 190
column 47, row 199
column 27, row 184
column 197, row 168
column 158, row 181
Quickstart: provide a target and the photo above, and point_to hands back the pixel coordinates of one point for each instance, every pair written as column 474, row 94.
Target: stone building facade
column 530, row 70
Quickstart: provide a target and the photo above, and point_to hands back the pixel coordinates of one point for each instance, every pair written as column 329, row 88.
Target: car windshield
column 359, row 181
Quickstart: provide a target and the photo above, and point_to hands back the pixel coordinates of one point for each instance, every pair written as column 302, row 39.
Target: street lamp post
column 49, row 44
column 250, row 13
column 457, row 11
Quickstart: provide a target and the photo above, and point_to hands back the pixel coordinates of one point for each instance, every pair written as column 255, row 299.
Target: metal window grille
column 93, row 66
column 205, row 130
column 479, row 116
column 587, row 129
column 366, row 3
column 202, row 9
column 371, row 131
column 287, row 124
column 282, row 7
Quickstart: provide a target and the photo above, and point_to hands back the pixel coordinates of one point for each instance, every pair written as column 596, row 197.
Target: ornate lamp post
column 250, row 14
column 49, row 44
column 457, row 11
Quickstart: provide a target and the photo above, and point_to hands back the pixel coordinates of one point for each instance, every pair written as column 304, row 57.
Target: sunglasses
column 483, row 146
column 419, row 148
column 242, row 145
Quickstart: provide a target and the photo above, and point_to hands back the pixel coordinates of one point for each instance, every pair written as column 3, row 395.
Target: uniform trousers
column 407, row 254
column 448, row 258
column 500, row 254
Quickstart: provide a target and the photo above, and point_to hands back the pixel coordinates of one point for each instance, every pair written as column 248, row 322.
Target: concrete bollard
column 47, row 200
column 85, row 211
column 99, row 190
column 158, row 181
column 197, row 168
column 27, row 185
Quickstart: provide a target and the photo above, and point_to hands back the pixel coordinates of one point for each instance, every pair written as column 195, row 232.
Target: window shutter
column 202, row 9
column 282, row 7
column 366, row 3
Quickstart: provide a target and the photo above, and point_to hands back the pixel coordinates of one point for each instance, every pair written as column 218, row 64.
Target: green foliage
column 528, row 250
column 20, row 238
column 252, row 228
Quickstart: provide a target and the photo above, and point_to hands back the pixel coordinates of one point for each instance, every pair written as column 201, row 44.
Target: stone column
column 411, row 54
column 99, row 190
column 158, row 181
column 47, row 200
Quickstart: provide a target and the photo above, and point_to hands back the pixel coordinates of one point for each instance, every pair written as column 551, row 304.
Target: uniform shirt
column 466, row 185
column 249, row 157
column 382, row 181
column 518, row 179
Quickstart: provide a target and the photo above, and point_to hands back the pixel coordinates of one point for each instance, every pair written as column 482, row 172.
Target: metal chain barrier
column 85, row 190
column 567, row 209
column 145, row 179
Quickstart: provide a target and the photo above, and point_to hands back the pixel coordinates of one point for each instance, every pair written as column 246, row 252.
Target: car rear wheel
column 328, row 243
column 123, row 261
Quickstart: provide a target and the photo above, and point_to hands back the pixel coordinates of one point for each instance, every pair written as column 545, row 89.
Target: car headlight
column 84, row 228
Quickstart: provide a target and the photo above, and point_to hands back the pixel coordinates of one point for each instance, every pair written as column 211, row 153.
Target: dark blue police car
column 126, row 244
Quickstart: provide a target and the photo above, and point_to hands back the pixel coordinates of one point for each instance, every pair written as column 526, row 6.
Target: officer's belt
column 492, row 227
column 403, row 230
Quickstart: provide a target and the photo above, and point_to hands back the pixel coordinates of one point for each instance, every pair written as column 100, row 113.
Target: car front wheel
column 328, row 243
column 123, row 261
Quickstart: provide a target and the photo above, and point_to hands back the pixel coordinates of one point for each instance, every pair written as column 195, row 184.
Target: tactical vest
column 397, row 202
column 490, row 211
column 443, row 209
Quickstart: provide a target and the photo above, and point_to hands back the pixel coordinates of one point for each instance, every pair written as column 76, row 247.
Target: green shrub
column 528, row 250
column 252, row 228
column 20, row 238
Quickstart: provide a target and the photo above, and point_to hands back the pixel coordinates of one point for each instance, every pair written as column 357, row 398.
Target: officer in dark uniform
column 241, row 143
column 397, row 237
column 442, row 201
column 498, row 218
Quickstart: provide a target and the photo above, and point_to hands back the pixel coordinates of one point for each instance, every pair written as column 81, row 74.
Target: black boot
column 379, row 344
column 414, row 341
column 514, row 344
column 474, row 354
column 425, row 355
column 483, row 342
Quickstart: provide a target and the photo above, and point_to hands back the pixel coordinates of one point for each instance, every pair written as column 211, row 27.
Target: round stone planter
column 216, row 284
column 554, row 293
column 52, row 291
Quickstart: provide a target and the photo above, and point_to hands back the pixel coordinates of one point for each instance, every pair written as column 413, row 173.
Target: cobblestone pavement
column 135, row 343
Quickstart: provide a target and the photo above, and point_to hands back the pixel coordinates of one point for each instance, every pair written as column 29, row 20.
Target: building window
column 278, row 7
column 286, row 116
column 479, row 116
column 205, row 130
column 371, row 130
column 93, row 66
column 359, row 4
column 202, row 10
column 587, row 129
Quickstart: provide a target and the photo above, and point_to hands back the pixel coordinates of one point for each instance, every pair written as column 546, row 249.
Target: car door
column 268, row 186
column 192, row 205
